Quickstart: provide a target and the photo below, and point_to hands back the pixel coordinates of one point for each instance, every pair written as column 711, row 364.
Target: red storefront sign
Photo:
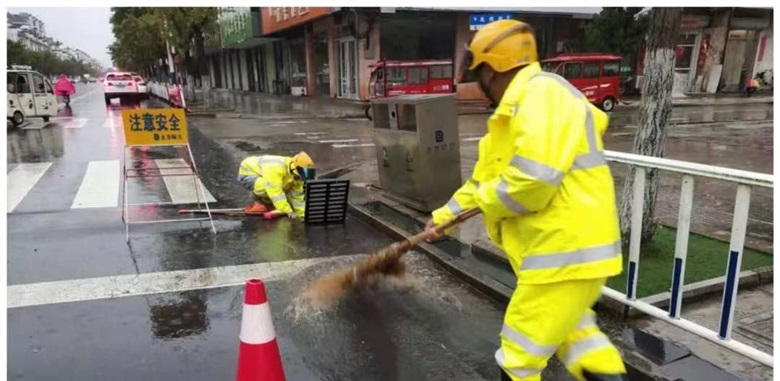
column 275, row 19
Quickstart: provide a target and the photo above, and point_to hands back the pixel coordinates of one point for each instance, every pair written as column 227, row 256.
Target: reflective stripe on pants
column 555, row 318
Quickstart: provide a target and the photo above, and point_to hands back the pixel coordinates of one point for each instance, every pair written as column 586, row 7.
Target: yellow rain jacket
column 275, row 181
column 546, row 192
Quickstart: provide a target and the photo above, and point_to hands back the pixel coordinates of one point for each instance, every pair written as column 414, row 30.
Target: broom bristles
column 325, row 291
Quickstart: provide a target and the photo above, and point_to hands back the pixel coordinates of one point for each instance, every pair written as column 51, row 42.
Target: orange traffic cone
column 258, row 355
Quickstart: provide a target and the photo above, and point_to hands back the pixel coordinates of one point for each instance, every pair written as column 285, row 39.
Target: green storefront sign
column 235, row 25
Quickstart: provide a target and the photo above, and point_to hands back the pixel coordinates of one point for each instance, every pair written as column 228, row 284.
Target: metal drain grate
column 326, row 201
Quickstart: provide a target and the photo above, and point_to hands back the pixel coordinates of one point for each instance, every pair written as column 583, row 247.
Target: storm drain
column 326, row 201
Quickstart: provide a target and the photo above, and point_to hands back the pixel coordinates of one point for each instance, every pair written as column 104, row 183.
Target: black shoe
column 604, row 377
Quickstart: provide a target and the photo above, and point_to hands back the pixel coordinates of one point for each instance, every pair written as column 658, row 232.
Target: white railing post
column 681, row 246
column 734, row 262
column 637, row 209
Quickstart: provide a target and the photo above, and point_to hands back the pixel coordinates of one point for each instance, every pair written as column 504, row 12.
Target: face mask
column 486, row 90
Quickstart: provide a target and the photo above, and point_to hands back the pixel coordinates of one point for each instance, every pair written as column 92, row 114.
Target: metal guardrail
column 745, row 181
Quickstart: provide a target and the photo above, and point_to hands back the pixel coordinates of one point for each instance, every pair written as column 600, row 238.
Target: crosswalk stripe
column 352, row 145
column 22, row 179
column 182, row 189
column 100, row 186
column 122, row 286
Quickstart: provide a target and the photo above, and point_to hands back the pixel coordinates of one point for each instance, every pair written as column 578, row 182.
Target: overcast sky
column 79, row 28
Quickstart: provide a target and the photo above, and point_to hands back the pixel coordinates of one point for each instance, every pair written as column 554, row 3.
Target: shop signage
column 235, row 25
column 691, row 22
column 750, row 23
column 477, row 21
column 275, row 19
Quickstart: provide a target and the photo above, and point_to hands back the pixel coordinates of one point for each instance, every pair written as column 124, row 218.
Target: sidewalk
column 249, row 104
column 717, row 99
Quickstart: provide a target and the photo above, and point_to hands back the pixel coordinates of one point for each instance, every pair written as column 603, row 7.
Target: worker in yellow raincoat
column 276, row 183
column 548, row 200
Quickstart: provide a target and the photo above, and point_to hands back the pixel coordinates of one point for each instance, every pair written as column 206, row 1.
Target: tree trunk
column 655, row 110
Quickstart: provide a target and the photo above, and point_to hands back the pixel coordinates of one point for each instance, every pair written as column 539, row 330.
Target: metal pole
column 637, row 209
column 681, row 246
column 691, row 327
column 205, row 201
column 738, row 231
column 171, row 69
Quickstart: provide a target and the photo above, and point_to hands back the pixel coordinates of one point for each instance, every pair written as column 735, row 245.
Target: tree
column 140, row 36
column 46, row 61
column 617, row 30
column 655, row 110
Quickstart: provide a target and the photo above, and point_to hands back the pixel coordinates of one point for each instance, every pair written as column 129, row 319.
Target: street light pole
column 171, row 70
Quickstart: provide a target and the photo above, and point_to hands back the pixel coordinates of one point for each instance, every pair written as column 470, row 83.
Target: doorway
column 346, row 53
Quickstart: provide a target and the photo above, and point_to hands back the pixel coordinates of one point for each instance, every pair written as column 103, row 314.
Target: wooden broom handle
column 457, row 220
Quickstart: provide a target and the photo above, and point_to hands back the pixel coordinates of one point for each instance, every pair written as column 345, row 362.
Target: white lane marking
column 352, row 145
column 183, row 189
column 100, row 186
column 79, row 97
column 68, row 122
column 21, row 180
column 113, row 121
column 337, row 141
column 310, row 133
column 118, row 286
column 471, row 139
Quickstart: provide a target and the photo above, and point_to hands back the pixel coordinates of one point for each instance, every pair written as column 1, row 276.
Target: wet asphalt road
column 438, row 329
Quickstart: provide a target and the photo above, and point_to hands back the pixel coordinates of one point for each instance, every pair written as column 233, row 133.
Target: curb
column 638, row 365
column 635, row 104
column 236, row 115
column 489, row 286
column 637, row 369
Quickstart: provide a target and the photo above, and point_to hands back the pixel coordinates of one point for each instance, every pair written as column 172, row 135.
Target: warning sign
column 155, row 127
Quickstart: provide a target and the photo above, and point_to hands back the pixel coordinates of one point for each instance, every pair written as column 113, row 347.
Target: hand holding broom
column 327, row 289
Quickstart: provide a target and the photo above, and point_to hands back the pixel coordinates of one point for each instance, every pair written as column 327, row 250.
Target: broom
column 329, row 288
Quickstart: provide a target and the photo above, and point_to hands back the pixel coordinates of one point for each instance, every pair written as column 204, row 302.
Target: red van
column 597, row 75
column 393, row 78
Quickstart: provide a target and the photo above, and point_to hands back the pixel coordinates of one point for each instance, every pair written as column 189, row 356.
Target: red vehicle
column 393, row 78
column 597, row 75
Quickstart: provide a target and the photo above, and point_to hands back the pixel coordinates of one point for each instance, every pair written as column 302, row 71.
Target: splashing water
column 313, row 303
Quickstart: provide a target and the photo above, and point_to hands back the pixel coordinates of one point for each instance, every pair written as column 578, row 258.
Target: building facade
column 327, row 52
column 720, row 48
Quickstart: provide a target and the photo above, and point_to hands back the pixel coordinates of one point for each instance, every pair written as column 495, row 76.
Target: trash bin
column 417, row 148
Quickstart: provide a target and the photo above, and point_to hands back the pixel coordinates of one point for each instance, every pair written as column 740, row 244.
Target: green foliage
column 706, row 259
column 46, row 61
column 140, row 34
column 615, row 30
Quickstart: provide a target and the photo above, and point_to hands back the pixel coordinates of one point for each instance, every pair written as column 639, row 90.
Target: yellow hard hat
column 303, row 160
column 304, row 165
column 502, row 44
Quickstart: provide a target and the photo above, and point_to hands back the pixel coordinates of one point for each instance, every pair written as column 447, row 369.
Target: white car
column 120, row 85
column 143, row 88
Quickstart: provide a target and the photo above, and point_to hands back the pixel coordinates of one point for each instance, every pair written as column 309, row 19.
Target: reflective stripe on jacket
column 542, row 182
column 275, row 180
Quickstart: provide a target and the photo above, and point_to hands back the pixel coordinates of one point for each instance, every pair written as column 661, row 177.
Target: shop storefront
column 321, row 61
column 553, row 31
column 742, row 48
column 292, row 70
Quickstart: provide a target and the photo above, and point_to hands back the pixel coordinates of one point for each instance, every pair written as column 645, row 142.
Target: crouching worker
column 276, row 183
